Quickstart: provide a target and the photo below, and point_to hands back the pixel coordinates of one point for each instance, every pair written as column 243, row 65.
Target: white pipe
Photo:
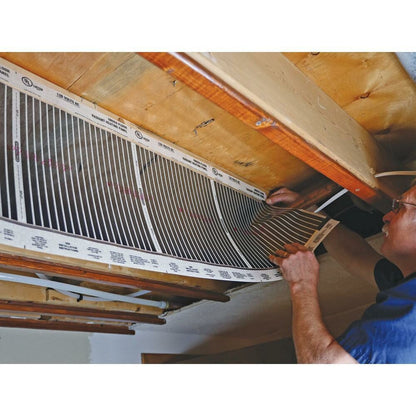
column 91, row 298
column 396, row 173
column 139, row 293
column 79, row 289
column 332, row 199
column 408, row 61
column 377, row 175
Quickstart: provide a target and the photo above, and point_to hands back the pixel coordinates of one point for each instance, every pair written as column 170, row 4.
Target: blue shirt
column 386, row 333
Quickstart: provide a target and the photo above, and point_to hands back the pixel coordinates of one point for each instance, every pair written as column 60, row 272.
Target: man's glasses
column 397, row 204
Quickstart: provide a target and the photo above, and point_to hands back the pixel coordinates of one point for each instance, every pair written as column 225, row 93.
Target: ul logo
column 27, row 82
column 139, row 135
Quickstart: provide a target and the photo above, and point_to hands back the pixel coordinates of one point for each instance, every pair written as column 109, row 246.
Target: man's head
column 399, row 229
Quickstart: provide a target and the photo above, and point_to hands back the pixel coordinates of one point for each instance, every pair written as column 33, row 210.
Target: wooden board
column 75, row 313
column 57, row 325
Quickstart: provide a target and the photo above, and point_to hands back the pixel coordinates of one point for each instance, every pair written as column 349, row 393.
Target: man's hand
column 299, row 266
column 285, row 197
column 313, row 342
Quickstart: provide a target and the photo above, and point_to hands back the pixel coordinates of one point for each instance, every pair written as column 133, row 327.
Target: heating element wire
column 83, row 180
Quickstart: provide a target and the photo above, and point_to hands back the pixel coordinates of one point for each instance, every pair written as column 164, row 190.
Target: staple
column 203, row 124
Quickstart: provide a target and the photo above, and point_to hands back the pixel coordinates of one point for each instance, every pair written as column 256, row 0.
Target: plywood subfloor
column 374, row 89
column 131, row 87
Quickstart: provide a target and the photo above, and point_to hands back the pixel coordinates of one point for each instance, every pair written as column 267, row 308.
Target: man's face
column 400, row 229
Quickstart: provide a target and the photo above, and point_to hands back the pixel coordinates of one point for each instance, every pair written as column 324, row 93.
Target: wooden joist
column 269, row 94
column 21, row 263
column 71, row 311
column 64, row 326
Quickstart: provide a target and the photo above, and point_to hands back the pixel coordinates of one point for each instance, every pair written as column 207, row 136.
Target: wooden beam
column 64, row 326
column 21, row 263
column 71, row 311
column 268, row 93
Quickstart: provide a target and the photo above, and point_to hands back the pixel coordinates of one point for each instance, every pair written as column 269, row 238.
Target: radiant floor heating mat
column 78, row 183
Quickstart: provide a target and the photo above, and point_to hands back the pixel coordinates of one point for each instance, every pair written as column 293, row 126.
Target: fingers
column 275, row 259
column 282, row 190
column 280, row 255
column 276, row 199
column 290, row 248
column 283, row 195
column 297, row 246
column 294, row 248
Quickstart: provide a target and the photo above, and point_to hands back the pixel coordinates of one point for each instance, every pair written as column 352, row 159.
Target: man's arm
column 348, row 248
column 313, row 341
